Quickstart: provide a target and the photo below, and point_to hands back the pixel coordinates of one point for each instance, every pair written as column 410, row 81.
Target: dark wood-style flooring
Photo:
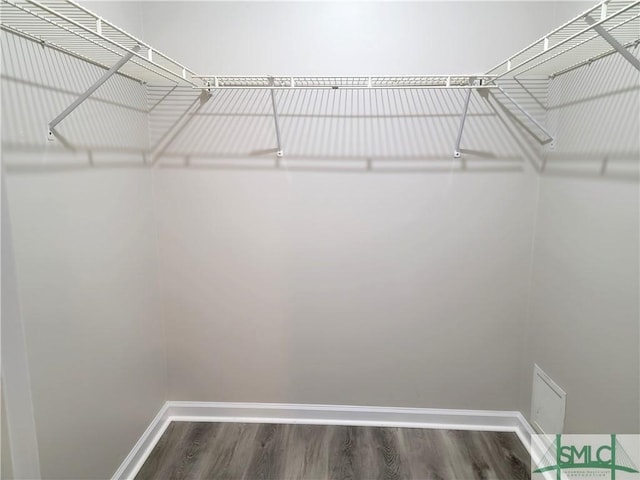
column 250, row 451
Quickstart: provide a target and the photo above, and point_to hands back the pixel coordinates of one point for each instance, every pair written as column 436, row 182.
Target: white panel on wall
column 547, row 404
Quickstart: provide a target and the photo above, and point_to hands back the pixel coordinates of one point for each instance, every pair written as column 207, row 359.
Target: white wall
column 17, row 395
column 368, row 267
column 6, row 467
column 348, row 38
column 583, row 327
column 84, row 240
column 125, row 14
column 355, row 288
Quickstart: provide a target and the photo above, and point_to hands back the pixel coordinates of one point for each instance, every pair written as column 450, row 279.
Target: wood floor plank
column 457, row 456
column 307, row 452
column 394, row 465
column 366, row 457
column 180, row 451
column 164, row 453
column 267, row 462
column 230, row 452
column 341, row 452
column 198, row 436
column 250, row 451
column 473, row 446
column 509, row 455
column 422, row 452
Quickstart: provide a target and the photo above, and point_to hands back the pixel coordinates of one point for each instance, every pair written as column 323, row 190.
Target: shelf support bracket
column 525, row 113
column 107, row 75
column 630, row 57
column 279, row 152
column 456, row 151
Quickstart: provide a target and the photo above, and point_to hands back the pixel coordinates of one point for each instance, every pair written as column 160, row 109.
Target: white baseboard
column 485, row 420
column 141, row 450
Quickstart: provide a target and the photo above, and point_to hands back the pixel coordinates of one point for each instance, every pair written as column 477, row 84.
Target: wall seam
column 526, row 331
column 25, row 458
column 158, row 281
column 154, row 209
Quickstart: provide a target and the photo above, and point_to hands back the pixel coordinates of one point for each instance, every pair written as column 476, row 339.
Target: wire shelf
column 354, row 82
column 71, row 28
column 576, row 42
column 610, row 26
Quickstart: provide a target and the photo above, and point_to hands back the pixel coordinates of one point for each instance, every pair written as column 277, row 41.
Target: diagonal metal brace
column 613, row 42
column 108, row 74
column 279, row 152
column 525, row 113
column 456, row 152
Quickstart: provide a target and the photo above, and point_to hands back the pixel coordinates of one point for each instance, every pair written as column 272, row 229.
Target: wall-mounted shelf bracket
column 600, row 30
column 76, row 103
column 279, row 152
column 463, row 118
column 528, row 115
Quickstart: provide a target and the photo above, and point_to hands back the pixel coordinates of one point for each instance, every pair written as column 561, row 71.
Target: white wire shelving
column 578, row 42
column 611, row 26
column 346, row 82
column 582, row 40
column 71, row 28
